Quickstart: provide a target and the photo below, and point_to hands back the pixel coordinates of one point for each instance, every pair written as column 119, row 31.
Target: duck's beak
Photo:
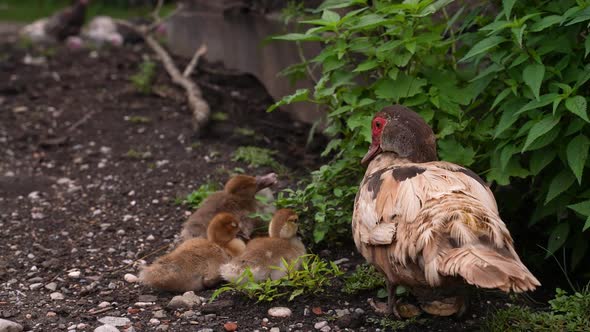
column 374, row 150
column 265, row 181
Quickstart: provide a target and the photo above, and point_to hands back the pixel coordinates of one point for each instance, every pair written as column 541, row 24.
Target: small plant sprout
column 194, row 199
column 308, row 274
column 144, row 78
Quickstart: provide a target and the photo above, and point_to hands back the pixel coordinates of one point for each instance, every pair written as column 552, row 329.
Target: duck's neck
column 383, row 160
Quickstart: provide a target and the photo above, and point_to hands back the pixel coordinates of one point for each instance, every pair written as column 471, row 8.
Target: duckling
column 237, row 197
column 263, row 252
column 194, row 264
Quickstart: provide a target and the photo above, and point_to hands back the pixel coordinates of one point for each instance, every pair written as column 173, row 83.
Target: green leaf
column 557, row 238
column 501, row 96
column 577, row 105
column 518, row 33
column 545, row 22
column 587, row 46
column 580, row 248
column 544, row 100
column 452, row 151
column 367, row 65
column 333, row 4
column 299, row 95
column 404, row 86
column 507, row 152
column 577, row 153
column 297, row 37
column 483, row 46
column 330, row 16
column 540, row 159
column 582, row 208
column 533, row 77
column 560, row 183
column 368, row 21
column 508, row 4
column 539, row 129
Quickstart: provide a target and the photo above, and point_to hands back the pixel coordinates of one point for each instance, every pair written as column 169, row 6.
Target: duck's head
column 223, row 228
column 283, row 224
column 400, row 130
column 248, row 186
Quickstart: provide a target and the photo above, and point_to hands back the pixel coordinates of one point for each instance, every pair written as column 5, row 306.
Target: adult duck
column 428, row 224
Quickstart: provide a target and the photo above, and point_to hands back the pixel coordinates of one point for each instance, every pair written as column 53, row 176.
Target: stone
column 106, row 328
column 130, row 278
column 104, row 304
column 186, row 300
column 230, row 326
column 35, row 286
column 326, row 329
column 74, row 274
column 154, row 321
column 115, row 321
column 147, row 298
column 9, row 326
column 352, row 321
column 320, row 325
column 159, row 314
column 205, row 330
column 163, row 327
column 275, row 329
column 279, row 312
column 342, row 312
column 189, row 314
column 56, row 296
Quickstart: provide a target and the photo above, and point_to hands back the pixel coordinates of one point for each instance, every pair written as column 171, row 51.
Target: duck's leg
column 392, row 299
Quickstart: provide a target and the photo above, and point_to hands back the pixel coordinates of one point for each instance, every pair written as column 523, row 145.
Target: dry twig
column 194, row 61
column 199, row 107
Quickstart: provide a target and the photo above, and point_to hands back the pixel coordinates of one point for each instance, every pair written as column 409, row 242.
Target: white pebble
column 320, row 325
column 150, row 238
column 74, row 274
column 56, row 296
column 130, row 278
column 104, row 304
column 279, row 312
column 154, row 321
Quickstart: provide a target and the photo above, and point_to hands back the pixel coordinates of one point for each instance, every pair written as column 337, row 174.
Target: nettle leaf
column 501, row 96
column 404, row 86
column 539, row 129
column 577, row 105
column 452, row 151
column 533, row 77
column 540, row 159
column 507, row 152
column 367, row 22
column 518, row 33
column 587, row 46
column 367, row 65
column 297, row 37
column 334, row 4
column 577, row 153
column 582, row 208
column 557, row 238
column 507, row 5
column 546, row 22
column 483, row 46
column 362, row 121
column 330, row 16
column 299, row 95
column 560, row 183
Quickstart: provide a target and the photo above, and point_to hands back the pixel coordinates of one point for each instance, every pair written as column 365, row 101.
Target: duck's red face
column 379, row 122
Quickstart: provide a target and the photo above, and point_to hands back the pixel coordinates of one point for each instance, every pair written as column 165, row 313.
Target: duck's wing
column 398, row 194
column 442, row 217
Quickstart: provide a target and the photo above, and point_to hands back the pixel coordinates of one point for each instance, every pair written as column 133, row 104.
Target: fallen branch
column 198, row 106
column 194, row 61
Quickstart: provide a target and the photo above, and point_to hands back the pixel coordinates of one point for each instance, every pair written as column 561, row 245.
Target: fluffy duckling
column 237, row 197
column 263, row 252
column 194, row 264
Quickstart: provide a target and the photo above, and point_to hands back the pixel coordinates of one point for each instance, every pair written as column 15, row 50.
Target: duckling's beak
column 265, row 181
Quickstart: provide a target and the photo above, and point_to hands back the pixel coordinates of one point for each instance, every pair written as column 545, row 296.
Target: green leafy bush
column 568, row 313
column 308, row 274
column 505, row 95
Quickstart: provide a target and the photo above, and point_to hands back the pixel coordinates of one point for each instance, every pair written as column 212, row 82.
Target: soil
column 89, row 174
